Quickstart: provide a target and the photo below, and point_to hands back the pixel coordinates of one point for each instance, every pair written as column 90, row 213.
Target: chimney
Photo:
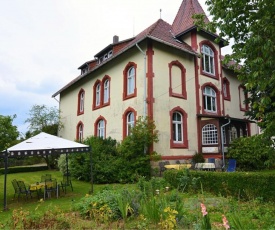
column 115, row 39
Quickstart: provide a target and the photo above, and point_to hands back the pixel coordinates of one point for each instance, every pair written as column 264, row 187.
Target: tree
column 251, row 25
column 44, row 119
column 8, row 132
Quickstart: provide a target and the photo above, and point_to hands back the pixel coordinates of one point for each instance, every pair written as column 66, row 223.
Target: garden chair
column 16, row 188
column 23, row 189
column 51, row 186
column 66, row 182
column 231, row 165
column 211, row 160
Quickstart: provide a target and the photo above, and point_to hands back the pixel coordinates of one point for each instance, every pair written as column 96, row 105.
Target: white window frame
column 81, row 102
column 131, row 80
column 97, row 96
column 101, row 129
column 130, row 122
column 177, row 123
column 106, row 91
column 209, row 134
column 208, row 60
column 210, row 99
column 233, row 134
column 80, row 133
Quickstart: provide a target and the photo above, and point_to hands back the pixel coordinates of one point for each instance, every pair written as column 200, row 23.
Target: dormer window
column 84, row 70
column 105, row 56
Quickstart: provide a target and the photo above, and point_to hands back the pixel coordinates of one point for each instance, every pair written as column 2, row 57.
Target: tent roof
column 45, row 144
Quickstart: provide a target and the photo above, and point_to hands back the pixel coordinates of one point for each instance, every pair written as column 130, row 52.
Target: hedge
column 24, row 169
column 240, row 185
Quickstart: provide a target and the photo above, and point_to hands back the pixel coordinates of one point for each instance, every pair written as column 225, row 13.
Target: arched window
column 79, row 132
column 106, row 95
column 243, row 98
column 100, row 127
column 129, row 82
column 97, row 99
column 241, row 132
column 209, row 100
column 178, row 128
column 177, row 80
column 208, row 63
column 81, row 96
column 233, row 133
column 226, row 89
column 209, row 134
column 130, row 122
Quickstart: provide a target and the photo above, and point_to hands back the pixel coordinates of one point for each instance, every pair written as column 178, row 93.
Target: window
column 129, row 84
column 209, row 100
column 130, row 123
column 131, row 81
column 233, row 133
column 241, row 132
column 101, row 93
column 129, row 120
column 226, row 89
column 208, row 65
column 100, row 127
column 178, row 128
column 81, row 95
column 97, row 99
column 243, row 98
column 79, row 132
column 209, row 134
column 106, row 94
column 177, row 80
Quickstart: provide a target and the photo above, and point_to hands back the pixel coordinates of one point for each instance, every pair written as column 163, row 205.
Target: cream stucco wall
column 112, row 113
column 164, row 103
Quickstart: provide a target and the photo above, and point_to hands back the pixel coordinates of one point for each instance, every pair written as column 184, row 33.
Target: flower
column 203, row 209
column 225, row 222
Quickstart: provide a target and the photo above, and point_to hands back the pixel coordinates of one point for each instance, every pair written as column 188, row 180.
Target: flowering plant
column 205, row 218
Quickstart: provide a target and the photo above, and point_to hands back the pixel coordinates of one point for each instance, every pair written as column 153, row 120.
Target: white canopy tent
column 40, row 145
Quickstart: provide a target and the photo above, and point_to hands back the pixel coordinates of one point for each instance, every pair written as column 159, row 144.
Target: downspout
column 145, row 88
column 223, row 161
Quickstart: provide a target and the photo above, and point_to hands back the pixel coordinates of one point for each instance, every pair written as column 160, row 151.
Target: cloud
column 44, row 42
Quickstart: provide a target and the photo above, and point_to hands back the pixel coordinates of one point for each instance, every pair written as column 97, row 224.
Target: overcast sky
column 43, row 42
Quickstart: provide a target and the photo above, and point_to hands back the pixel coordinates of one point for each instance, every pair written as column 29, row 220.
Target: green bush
column 241, row 185
column 252, row 153
column 114, row 162
column 24, row 169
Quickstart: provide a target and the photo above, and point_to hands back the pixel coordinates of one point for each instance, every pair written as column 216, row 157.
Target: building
column 171, row 73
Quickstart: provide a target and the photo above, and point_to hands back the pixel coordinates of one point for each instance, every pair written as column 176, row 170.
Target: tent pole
column 67, row 165
column 92, row 180
column 5, row 181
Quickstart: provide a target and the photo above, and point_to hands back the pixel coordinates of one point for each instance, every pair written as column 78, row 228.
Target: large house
column 171, row 73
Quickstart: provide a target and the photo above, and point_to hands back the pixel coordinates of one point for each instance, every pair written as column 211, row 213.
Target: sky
column 43, row 42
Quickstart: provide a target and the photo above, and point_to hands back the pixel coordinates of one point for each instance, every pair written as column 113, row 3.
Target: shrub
column 240, row 185
column 252, row 153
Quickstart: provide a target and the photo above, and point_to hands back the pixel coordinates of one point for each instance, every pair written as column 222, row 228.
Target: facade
column 171, row 73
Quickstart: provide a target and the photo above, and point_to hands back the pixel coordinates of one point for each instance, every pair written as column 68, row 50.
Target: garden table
column 206, row 166
column 177, row 166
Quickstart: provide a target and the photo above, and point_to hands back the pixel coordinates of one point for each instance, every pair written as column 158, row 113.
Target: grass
column 253, row 213
column 80, row 189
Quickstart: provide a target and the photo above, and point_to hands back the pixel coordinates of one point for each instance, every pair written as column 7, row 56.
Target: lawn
column 64, row 201
column 124, row 206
